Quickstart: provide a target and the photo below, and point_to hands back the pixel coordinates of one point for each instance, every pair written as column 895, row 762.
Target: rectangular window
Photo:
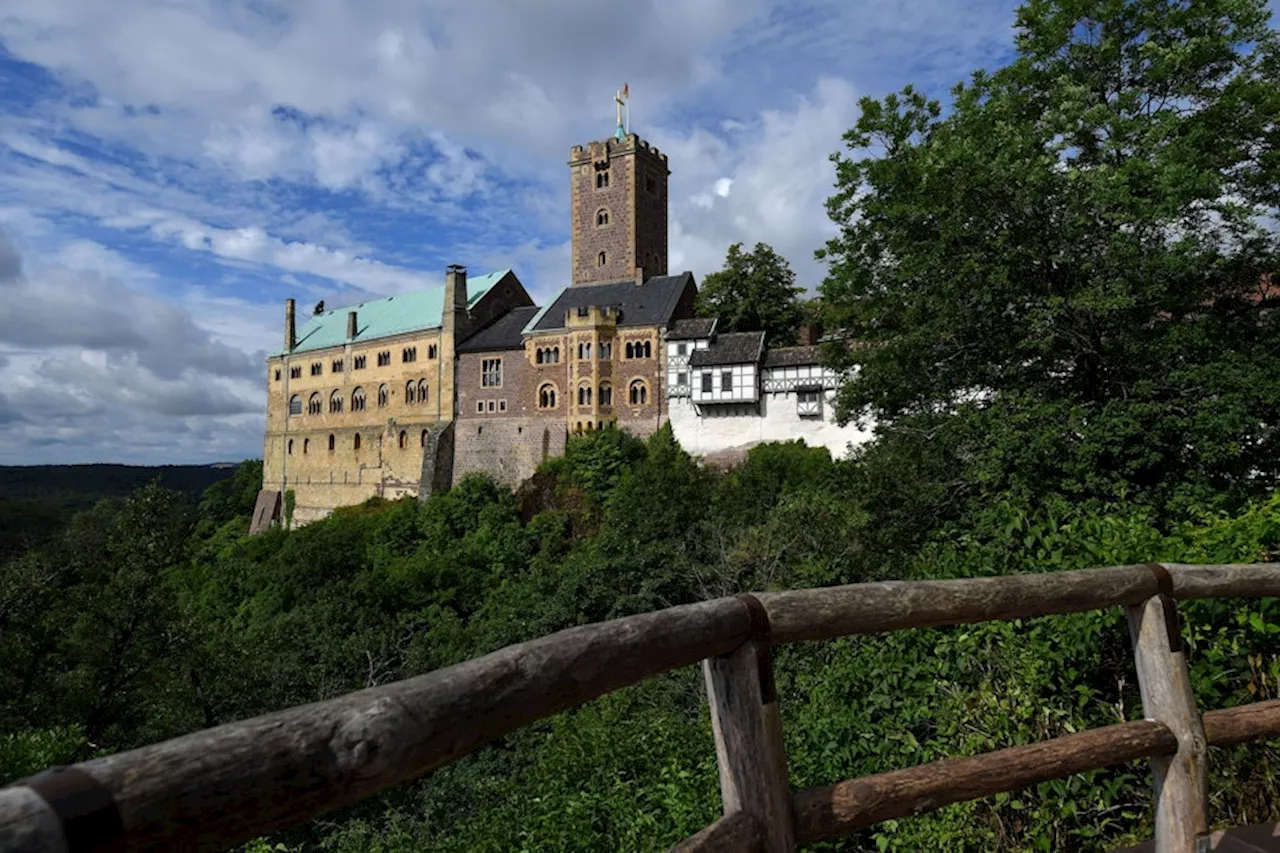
column 682, row 379
column 479, row 405
column 706, row 383
column 809, row 403
column 492, row 405
column 295, row 372
column 337, row 365
column 726, row 380
column 502, row 405
column 317, row 368
column 384, row 358
column 359, row 363
column 491, row 373
column 682, row 349
column 583, row 312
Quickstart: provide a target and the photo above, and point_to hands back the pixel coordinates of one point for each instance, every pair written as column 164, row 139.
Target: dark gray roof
column 793, row 356
column 694, row 327
column 502, row 333
column 648, row 304
column 733, row 348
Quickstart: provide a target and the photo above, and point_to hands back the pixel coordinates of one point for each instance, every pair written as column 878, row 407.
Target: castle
column 405, row 395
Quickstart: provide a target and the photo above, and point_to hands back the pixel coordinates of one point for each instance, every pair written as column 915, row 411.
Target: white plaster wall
column 677, row 364
column 744, row 385
column 777, row 421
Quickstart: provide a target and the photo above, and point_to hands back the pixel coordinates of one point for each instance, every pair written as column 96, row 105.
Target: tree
column 1062, row 281
column 755, row 290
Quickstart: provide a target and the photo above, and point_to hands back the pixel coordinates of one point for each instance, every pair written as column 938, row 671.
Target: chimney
column 290, row 326
column 455, row 288
column 351, row 324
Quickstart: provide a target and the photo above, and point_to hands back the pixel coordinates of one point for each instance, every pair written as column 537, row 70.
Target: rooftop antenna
column 621, row 99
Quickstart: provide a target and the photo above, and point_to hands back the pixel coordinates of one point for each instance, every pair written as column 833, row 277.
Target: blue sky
column 171, row 172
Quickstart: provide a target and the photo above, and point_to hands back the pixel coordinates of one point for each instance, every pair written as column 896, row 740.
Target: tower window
column 650, row 185
column 383, row 395
column 602, row 259
column 602, row 180
column 602, row 217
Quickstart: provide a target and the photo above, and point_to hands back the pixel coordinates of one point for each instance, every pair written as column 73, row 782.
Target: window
column 639, row 393
column 306, row 445
column 332, row 442
column 584, row 395
column 502, row 405
column 410, row 392
column 547, row 397
column 602, row 259
column 337, row 366
column 295, row 405
column 357, row 400
column 335, row 403
column 384, row 358
column 682, row 349
column 706, row 382
column 631, row 350
column 648, row 349
column 584, row 352
column 538, row 356
column 291, row 447
column 726, row 380
column 424, row 438
column 491, row 373
column 355, row 442
column 555, row 355
column 295, row 372
column 809, row 403
column 277, row 374
column 606, row 350
column 409, row 354
column 584, row 311
column 314, row 405
column 404, row 439
column 383, row 394
column 358, row 362
column 317, row 368
column 602, row 217
column 422, row 391
column 682, row 379
column 433, row 351
column 606, row 395
column 602, row 179
column 479, row 406
column 492, row 406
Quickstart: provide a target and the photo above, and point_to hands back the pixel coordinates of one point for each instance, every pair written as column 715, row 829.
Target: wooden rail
column 213, row 789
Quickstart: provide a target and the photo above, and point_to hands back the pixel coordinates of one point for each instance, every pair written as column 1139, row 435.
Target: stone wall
column 508, row 449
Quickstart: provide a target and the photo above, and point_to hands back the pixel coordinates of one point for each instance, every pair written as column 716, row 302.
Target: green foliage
column 755, row 290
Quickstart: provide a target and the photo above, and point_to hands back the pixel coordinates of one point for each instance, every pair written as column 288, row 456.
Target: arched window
column 333, row 442
column 355, row 442
column 590, row 426
column 555, row 354
column 584, row 395
column 578, row 428
column 295, row 405
column 357, row 400
column 547, row 397
column 306, row 445
column 639, row 393
column 383, row 395
column 648, row 350
column 539, row 356
column 602, row 180
column 314, row 405
column 291, row 447
column 602, row 217
column 606, row 395
column 602, row 258
column 335, row 402
column 422, row 390
column 410, row 391
column 631, row 350
column 404, row 439
column 424, row 438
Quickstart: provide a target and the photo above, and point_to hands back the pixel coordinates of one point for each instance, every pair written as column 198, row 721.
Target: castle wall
column 730, row 427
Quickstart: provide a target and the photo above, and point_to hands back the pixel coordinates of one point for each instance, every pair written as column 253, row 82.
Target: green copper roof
column 382, row 318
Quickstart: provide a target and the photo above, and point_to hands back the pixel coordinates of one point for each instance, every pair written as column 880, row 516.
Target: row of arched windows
column 547, row 355
column 402, row 441
column 415, row 391
column 637, row 394
column 639, row 349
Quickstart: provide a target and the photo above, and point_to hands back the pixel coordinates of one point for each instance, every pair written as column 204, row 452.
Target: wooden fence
column 217, row 788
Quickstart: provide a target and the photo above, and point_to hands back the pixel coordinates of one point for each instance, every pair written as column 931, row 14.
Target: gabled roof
column 382, row 318
column 648, row 304
column 694, row 327
column 503, row 333
column 733, row 348
column 793, row 356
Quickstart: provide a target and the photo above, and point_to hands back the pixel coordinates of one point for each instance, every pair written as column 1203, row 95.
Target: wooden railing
column 217, row 788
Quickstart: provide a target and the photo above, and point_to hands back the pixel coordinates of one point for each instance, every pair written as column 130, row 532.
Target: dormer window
column 602, row 217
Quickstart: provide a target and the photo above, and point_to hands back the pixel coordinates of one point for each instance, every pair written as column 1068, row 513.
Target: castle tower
column 618, row 190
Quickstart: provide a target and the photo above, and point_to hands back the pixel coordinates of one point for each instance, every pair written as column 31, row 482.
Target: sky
column 172, row 170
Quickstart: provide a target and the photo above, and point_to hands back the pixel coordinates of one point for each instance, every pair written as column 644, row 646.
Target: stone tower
column 618, row 190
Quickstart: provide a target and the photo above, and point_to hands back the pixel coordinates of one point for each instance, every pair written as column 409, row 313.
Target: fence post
column 1180, row 780
column 748, row 733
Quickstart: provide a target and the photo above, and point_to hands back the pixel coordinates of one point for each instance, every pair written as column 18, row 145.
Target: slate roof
column 694, row 327
column 504, row 333
column 793, row 356
column 648, row 304
column 382, row 318
column 733, row 348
